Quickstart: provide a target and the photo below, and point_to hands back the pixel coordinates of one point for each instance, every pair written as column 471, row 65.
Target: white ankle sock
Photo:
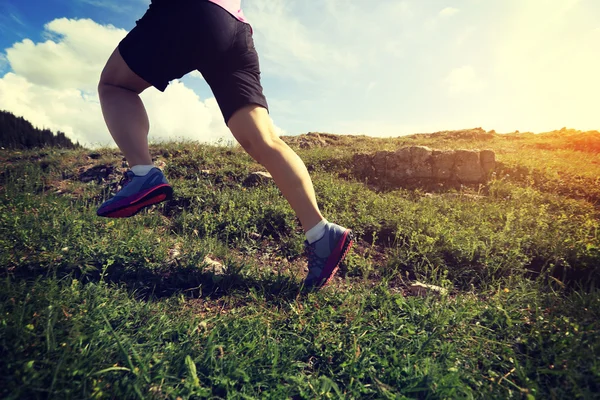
column 316, row 232
column 141, row 170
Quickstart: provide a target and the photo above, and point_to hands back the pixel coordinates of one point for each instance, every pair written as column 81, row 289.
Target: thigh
column 234, row 76
column 117, row 73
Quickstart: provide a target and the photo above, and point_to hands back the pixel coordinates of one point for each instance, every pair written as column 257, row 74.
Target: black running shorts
column 175, row 37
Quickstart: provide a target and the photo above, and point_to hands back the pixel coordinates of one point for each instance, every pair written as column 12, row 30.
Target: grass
column 95, row 308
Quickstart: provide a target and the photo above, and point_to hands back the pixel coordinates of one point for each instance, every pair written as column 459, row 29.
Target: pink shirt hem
column 234, row 7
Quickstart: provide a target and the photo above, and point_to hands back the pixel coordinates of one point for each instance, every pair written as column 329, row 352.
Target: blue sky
column 384, row 68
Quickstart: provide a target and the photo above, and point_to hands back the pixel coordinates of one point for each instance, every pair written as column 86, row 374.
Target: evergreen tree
column 18, row 133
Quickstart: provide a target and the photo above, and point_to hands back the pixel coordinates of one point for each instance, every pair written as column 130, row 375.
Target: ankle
column 316, row 232
column 142, row 169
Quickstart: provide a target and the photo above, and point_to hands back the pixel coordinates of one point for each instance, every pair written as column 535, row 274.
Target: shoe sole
column 153, row 196
column 340, row 253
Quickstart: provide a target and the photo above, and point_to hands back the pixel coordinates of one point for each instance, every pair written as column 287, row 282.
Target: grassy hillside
column 96, row 308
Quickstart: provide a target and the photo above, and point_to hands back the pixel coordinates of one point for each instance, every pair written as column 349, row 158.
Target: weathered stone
column 408, row 164
column 257, row 178
column 216, row 267
column 488, row 161
column 442, row 164
column 98, row 173
column 403, row 154
column 423, row 289
column 175, row 251
column 420, row 162
column 467, row 167
column 380, row 160
column 420, row 154
column 398, row 166
column 310, row 140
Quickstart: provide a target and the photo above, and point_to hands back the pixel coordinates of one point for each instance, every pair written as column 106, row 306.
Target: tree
column 18, row 133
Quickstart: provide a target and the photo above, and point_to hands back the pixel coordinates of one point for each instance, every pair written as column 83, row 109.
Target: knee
column 105, row 83
column 263, row 147
column 102, row 87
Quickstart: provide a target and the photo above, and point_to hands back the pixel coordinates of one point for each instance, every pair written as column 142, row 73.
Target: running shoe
column 136, row 193
column 326, row 254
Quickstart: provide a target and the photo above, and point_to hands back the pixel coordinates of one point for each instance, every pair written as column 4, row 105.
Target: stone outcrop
column 311, row 140
column 420, row 163
column 214, row 266
column 257, row 178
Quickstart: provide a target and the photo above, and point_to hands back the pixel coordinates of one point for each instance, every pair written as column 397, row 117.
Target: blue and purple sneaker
column 326, row 254
column 137, row 192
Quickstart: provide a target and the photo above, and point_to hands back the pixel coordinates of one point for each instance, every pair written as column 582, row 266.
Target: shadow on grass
column 193, row 281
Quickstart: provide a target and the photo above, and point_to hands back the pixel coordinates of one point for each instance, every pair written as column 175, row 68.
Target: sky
column 379, row 68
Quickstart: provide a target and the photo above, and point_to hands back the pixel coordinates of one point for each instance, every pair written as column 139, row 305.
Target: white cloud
column 432, row 23
column 448, row 12
column 53, row 84
column 464, row 80
column 72, row 57
column 196, row 74
column 178, row 113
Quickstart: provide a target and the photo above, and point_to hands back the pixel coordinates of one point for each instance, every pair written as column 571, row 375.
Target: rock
column 216, row 267
column 467, row 166
column 422, row 165
column 423, row 289
column 175, row 251
column 488, row 161
column 442, row 164
column 94, row 155
column 311, row 140
column 403, row 154
column 379, row 160
column 397, row 165
column 420, row 162
column 98, row 173
column 257, row 178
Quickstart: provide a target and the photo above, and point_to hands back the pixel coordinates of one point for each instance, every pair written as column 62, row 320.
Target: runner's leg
column 253, row 129
column 123, row 110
